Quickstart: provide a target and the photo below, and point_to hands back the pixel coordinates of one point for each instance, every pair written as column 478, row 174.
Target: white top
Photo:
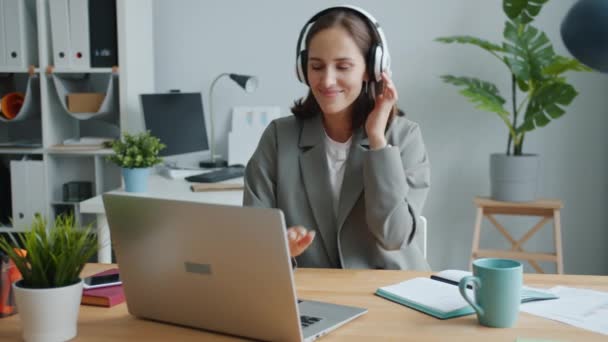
column 337, row 153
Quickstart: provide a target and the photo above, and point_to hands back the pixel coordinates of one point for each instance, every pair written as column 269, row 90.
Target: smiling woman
column 346, row 168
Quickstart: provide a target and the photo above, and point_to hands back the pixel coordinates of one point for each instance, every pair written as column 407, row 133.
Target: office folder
column 60, row 32
column 28, row 191
column 19, row 34
column 103, row 34
column 2, row 39
column 13, row 18
column 79, row 33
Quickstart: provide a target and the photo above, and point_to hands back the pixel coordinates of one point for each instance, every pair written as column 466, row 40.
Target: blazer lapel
column 315, row 174
column 352, row 185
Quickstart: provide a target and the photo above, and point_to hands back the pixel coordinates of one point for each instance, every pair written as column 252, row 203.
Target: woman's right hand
column 299, row 239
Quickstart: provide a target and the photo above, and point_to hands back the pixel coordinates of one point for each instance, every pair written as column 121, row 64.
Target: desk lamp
column 249, row 84
column 584, row 31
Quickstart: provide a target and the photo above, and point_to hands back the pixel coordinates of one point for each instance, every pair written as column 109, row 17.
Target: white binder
column 60, row 32
column 13, row 33
column 79, row 33
column 28, row 191
column 19, row 34
column 2, row 35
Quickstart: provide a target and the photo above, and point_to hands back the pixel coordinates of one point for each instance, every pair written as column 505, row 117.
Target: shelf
column 68, row 203
column 64, row 203
column 9, row 70
column 49, row 123
column 107, row 84
column 80, row 151
column 7, row 229
column 82, row 70
column 20, row 150
column 29, row 86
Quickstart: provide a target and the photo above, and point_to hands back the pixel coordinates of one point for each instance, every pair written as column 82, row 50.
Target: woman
column 348, row 171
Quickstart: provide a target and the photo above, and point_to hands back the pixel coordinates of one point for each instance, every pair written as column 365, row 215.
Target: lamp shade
column 585, row 33
column 249, row 83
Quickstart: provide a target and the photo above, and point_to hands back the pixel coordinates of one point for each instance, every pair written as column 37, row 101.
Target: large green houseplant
column 48, row 296
column 537, row 74
column 136, row 154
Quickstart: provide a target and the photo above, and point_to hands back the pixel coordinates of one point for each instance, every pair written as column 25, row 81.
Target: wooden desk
column 384, row 321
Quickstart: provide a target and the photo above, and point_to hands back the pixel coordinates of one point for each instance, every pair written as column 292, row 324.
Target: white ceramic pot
column 48, row 314
column 514, row 178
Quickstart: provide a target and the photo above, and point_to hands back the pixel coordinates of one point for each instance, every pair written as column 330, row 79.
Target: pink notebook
column 104, row 296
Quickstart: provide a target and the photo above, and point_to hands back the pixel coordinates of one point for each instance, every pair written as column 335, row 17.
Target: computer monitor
column 177, row 120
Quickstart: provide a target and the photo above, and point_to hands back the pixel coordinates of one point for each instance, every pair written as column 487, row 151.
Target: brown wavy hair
column 364, row 38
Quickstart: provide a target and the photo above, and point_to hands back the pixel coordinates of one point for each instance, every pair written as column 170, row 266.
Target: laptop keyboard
column 306, row 321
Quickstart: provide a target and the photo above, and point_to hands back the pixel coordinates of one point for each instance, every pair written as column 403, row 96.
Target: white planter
column 48, row 314
column 514, row 178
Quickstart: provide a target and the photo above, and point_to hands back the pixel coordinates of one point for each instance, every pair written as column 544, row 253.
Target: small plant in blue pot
column 136, row 154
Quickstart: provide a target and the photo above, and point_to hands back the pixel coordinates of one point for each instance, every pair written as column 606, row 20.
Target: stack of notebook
column 104, row 296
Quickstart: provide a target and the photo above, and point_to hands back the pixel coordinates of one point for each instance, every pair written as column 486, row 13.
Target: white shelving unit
column 51, row 124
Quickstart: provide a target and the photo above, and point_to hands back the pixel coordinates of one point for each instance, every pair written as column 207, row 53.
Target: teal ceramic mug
column 497, row 286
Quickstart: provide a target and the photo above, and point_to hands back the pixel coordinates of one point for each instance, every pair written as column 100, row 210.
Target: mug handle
column 462, row 286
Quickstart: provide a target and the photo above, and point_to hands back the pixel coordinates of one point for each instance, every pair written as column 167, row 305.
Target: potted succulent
column 136, row 154
column 537, row 74
column 49, row 293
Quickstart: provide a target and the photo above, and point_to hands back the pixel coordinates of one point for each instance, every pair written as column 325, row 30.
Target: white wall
column 196, row 40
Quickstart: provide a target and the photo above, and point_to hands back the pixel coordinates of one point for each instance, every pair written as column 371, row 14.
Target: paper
column 248, row 124
column 430, row 293
column 241, row 146
column 528, row 294
column 253, row 118
column 581, row 308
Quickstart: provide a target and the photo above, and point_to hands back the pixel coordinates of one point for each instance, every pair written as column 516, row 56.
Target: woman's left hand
column 378, row 118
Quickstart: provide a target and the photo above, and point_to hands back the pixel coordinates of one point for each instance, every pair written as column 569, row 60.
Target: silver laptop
column 220, row 268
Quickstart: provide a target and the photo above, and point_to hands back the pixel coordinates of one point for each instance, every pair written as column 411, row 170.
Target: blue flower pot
column 136, row 180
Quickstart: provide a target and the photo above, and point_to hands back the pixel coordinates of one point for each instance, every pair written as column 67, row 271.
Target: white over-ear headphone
column 378, row 60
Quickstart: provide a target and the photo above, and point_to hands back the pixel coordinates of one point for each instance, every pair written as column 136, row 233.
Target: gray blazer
column 382, row 193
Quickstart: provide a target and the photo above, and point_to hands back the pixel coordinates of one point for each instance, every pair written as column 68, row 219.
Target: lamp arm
column 211, row 113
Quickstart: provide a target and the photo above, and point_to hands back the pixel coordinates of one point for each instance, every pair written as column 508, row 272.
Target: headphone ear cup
column 374, row 63
column 386, row 62
column 301, row 66
column 371, row 61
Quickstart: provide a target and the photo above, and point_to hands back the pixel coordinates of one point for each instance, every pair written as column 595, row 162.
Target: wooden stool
column 545, row 208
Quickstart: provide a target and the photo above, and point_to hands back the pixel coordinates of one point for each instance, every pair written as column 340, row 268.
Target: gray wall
column 196, row 40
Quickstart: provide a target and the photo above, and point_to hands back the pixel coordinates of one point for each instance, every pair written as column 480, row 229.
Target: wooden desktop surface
column 384, row 321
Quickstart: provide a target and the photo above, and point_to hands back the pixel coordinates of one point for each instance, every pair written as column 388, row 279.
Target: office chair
column 420, row 237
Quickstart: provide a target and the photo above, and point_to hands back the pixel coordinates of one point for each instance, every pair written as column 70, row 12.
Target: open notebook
column 439, row 297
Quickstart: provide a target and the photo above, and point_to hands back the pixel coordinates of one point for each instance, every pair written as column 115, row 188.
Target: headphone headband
column 382, row 64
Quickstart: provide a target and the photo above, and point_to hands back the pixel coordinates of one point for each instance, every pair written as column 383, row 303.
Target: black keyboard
column 218, row 175
column 306, row 321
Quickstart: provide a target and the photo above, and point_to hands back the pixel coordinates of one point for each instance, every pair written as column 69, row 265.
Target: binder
column 13, row 18
column 19, row 29
column 15, row 34
column 60, row 32
column 2, row 35
column 103, row 33
column 79, row 33
column 28, row 191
